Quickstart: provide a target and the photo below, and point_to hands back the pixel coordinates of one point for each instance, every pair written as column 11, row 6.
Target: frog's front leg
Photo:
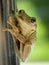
column 14, row 27
column 18, row 36
column 32, row 37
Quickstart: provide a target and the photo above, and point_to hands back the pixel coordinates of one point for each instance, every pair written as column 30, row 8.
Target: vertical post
column 9, row 56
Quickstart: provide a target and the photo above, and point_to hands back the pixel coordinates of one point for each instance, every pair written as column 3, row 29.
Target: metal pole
column 9, row 56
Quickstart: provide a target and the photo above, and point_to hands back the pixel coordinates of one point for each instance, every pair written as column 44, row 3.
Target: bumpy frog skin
column 23, row 31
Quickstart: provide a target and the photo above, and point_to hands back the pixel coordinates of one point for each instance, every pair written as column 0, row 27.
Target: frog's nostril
column 33, row 20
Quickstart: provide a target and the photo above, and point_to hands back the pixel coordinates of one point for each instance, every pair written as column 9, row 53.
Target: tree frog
column 23, row 31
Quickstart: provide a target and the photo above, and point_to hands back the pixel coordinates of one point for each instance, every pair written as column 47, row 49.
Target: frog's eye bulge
column 33, row 19
column 21, row 11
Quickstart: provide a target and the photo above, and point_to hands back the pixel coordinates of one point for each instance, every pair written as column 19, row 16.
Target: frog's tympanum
column 23, row 31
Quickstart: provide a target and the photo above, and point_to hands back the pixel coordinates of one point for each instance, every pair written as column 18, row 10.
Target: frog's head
column 27, row 23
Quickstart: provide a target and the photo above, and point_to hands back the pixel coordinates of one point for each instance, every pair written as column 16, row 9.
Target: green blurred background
column 40, row 10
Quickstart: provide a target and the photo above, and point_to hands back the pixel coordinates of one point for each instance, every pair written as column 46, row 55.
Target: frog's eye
column 33, row 19
column 21, row 11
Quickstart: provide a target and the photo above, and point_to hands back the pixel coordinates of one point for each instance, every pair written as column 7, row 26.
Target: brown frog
column 23, row 30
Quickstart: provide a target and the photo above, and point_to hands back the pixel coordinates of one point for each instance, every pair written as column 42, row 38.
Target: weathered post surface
column 7, row 52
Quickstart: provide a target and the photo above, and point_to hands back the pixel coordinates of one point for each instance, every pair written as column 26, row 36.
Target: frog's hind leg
column 17, row 51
